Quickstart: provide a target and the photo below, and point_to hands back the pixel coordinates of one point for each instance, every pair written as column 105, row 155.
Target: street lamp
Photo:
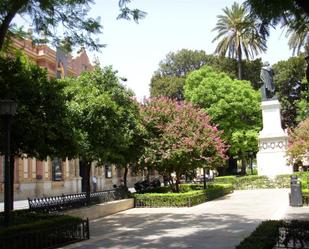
column 7, row 110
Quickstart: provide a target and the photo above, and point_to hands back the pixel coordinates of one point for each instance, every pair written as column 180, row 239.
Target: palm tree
column 298, row 39
column 238, row 34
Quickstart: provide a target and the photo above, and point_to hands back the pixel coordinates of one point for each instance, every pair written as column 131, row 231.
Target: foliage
column 291, row 13
column 169, row 79
column 104, row 114
column 105, row 118
column 191, row 195
column 180, row 137
column 268, row 233
column 186, row 199
column 298, row 40
column 291, row 88
column 298, row 149
column 263, row 237
column 238, row 35
column 66, row 22
column 41, row 126
column 37, row 229
column 232, row 104
column 255, row 182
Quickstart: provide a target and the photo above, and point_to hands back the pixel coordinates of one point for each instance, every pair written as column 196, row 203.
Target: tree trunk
column 243, row 164
column 177, row 183
column 232, row 166
column 125, row 176
column 85, row 174
column 239, row 63
column 12, row 167
column 6, row 21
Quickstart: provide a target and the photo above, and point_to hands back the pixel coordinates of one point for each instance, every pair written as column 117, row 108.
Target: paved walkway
column 219, row 224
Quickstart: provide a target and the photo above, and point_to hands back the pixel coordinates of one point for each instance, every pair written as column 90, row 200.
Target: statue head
column 266, row 64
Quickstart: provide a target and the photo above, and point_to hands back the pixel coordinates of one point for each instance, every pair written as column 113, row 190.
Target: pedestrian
column 94, row 183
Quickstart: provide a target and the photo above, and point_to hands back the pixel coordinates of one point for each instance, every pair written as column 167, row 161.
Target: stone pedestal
column 273, row 141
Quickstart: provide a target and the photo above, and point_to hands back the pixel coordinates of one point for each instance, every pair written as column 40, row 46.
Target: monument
column 273, row 140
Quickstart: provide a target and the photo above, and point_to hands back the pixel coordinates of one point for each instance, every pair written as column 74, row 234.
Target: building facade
column 36, row 178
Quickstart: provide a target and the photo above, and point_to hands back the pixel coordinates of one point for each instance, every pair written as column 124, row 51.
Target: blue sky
column 135, row 50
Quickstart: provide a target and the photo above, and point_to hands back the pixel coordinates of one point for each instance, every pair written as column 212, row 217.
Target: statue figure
column 268, row 87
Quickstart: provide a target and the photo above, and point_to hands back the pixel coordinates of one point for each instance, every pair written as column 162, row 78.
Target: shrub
column 277, row 232
column 263, row 237
column 190, row 195
column 42, row 230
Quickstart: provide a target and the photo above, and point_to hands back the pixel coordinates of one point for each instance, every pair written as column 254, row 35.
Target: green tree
column 180, row 138
column 238, row 35
column 41, row 126
column 232, row 104
column 291, row 87
column 52, row 16
column 169, row 79
column 104, row 116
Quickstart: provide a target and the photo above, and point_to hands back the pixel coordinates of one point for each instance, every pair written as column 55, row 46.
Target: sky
column 135, row 50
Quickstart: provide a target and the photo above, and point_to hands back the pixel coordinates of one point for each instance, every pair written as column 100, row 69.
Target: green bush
column 42, row 230
column 190, row 195
column 263, row 237
column 217, row 190
column 267, row 234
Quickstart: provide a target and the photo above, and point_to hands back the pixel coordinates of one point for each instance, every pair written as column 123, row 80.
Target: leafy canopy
column 232, row 104
column 65, row 22
column 180, row 137
column 169, row 79
column 292, row 89
column 105, row 116
column 41, row 126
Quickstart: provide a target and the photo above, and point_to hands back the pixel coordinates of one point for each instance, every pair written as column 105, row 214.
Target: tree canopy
column 291, row 88
column 169, row 79
column 238, row 35
column 41, row 126
column 232, row 104
column 180, row 137
column 65, row 22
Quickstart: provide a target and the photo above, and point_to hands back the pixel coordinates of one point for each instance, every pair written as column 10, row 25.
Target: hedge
column 37, row 230
column 190, row 195
column 277, row 232
column 257, row 182
column 265, row 236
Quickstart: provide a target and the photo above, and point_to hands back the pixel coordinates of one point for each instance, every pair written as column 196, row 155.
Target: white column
column 46, row 168
column 26, row 167
column 33, row 168
column 67, row 168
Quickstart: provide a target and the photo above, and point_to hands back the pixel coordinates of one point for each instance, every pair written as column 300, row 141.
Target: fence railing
column 65, row 202
column 293, row 235
column 52, row 237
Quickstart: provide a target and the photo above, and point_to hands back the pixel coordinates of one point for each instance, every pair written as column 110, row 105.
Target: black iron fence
column 65, row 202
column 294, row 234
column 52, row 237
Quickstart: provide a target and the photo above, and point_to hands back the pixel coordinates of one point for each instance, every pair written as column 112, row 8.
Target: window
column 108, row 171
column 57, row 169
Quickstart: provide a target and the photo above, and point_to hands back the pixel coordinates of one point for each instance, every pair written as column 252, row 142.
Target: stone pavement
column 219, row 224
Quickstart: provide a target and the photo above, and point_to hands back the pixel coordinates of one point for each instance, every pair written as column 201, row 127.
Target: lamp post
column 7, row 110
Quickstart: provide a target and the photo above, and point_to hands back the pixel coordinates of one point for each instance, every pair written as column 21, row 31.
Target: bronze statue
column 268, row 87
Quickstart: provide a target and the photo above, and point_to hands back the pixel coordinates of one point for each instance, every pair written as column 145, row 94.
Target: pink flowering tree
column 180, row 138
column 298, row 150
